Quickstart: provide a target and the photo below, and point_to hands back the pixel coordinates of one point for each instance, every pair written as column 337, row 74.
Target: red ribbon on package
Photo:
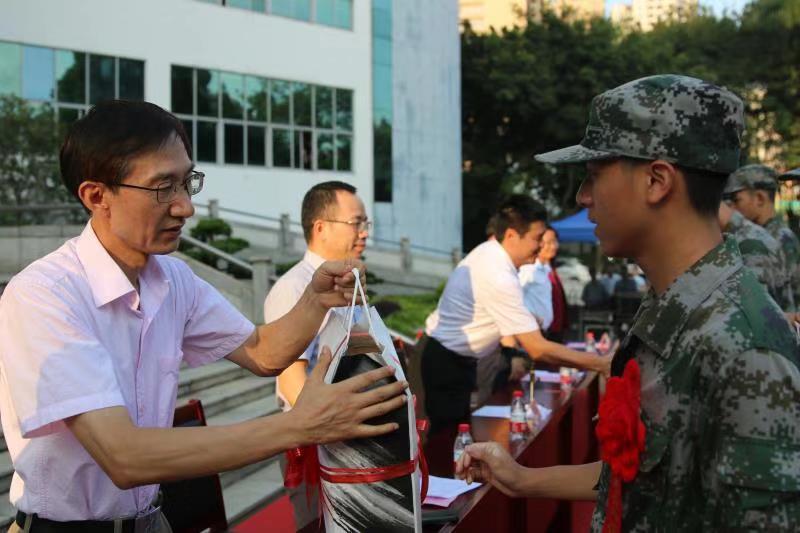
column 303, row 466
column 621, row 435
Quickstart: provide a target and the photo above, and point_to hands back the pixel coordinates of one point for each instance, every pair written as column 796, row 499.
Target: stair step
column 253, row 492
column 227, row 396
column 207, row 376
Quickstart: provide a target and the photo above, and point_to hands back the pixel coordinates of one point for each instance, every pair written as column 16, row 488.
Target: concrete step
column 232, row 394
column 253, row 492
column 207, row 376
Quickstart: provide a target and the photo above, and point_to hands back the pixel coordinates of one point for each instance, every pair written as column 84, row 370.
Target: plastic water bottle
column 519, row 421
column 590, row 344
column 463, row 439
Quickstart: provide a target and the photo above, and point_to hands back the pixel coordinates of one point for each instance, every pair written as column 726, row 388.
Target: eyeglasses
column 360, row 225
column 167, row 193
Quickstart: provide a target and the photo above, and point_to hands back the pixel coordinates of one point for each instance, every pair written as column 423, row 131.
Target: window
column 68, row 80
column 382, row 98
column 241, row 119
column 334, row 13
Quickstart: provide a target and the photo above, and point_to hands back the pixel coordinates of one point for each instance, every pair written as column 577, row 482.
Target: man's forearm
column 564, row 482
column 141, row 456
column 540, row 349
column 281, row 342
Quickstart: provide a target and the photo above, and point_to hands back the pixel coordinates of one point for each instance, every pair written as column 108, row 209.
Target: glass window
column 182, row 87
column 131, row 79
column 38, row 73
column 188, row 125
column 207, row 141
column 296, row 9
column 302, row 104
column 280, row 92
column 343, row 17
column 382, row 51
column 71, row 76
column 207, row 92
column 343, row 152
column 256, row 98
column 281, row 147
column 344, row 109
column 253, row 5
column 256, row 145
column 382, row 18
column 325, row 12
column 234, row 144
column 324, row 151
column 302, row 149
column 382, row 160
column 323, row 107
column 232, row 95
column 10, row 68
column 101, row 78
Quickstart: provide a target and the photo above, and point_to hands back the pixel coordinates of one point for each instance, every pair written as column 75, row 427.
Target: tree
column 29, row 143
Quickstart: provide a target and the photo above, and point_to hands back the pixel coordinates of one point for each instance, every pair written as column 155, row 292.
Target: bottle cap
column 517, row 394
column 590, row 335
column 463, row 428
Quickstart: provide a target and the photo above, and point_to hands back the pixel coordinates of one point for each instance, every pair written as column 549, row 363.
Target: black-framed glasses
column 360, row 225
column 165, row 194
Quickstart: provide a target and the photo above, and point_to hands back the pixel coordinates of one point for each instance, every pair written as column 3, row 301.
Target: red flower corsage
column 621, row 433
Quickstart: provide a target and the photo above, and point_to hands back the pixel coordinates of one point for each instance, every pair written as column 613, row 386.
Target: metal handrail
column 217, row 252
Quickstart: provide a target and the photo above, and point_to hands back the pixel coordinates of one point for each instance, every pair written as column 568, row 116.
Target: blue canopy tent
column 576, row 228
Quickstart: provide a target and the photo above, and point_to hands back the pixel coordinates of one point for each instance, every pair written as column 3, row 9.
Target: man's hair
column 318, row 201
column 517, row 212
column 490, row 226
column 703, row 187
column 100, row 146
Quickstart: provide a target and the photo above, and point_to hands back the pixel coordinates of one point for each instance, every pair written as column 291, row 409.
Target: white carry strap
column 358, row 289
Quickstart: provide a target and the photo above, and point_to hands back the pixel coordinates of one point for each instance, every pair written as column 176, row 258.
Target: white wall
column 192, row 33
column 426, row 133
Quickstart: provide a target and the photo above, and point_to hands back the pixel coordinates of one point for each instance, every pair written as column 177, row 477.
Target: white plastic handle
column 358, row 289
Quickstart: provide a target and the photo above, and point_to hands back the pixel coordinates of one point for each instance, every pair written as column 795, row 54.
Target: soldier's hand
column 336, row 412
column 489, row 462
column 518, row 369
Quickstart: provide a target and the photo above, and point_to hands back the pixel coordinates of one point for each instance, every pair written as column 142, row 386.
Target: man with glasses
column 751, row 191
column 336, row 228
column 92, row 337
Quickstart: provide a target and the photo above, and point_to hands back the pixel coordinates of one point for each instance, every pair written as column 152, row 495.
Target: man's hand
column 490, row 463
column 336, row 412
column 333, row 282
column 604, row 364
column 518, row 369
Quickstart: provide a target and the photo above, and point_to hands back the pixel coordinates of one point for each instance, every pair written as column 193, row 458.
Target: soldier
column 751, row 191
column 761, row 253
column 720, row 385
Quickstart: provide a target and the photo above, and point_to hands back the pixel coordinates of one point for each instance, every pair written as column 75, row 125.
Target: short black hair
column 517, row 212
column 490, row 226
column 318, row 200
column 704, row 189
column 100, row 146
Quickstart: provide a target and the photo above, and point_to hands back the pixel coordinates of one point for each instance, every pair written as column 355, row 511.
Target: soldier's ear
column 661, row 181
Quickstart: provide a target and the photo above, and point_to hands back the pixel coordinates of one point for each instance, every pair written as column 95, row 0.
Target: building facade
column 277, row 95
column 645, row 14
column 486, row 14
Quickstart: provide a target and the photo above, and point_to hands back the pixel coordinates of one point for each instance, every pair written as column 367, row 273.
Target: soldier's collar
column 661, row 319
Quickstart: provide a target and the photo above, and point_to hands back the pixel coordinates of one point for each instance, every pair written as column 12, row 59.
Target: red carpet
column 277, row 517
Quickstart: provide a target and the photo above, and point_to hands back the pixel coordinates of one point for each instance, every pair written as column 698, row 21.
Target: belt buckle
column 148, row 523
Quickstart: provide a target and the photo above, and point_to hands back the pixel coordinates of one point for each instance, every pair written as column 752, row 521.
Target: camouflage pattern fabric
column 752, row 177
column 791, row 249
column 721, row 405
column 675, row 118
column 793, row 174
column 763, row 255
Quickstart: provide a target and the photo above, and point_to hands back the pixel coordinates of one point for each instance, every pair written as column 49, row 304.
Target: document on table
column 442, row 491
column 546, row 376
column 504, row 411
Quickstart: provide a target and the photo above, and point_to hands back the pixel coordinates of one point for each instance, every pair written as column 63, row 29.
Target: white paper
column 545, row 376
column 442, row 491
column 504, row 411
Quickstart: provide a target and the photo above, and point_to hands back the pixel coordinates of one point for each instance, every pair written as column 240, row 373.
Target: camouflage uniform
column 720, row 379
column 765, row 178
column 720, row 404
column 763, row 255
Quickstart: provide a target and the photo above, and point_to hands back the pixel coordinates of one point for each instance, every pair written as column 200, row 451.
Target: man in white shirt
column 92, row 337
column 537, row 291
column 336, row 227
column 481, row 303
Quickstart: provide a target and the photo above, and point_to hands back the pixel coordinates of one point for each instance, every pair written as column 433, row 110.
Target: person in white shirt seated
column 93, row 335
column 482, row 302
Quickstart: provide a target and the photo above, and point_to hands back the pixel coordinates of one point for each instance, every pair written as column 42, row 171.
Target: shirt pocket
column 757, row 477
column 652, row 482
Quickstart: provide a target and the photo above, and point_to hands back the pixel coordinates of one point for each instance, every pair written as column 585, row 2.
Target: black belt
column 43, row 525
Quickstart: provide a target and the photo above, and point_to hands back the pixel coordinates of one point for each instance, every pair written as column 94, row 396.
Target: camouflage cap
column 676, row 118
column 790, row 175
column 752, row 177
